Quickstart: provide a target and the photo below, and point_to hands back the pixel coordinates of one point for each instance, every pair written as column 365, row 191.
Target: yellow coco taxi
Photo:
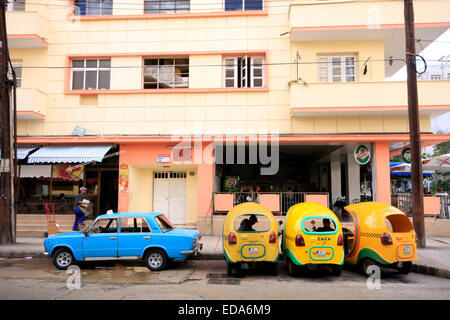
column 250, row 237
column 312, row 236
column 380, row 234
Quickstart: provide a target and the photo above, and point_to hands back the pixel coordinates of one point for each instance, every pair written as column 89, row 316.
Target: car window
column 164, row 223
column 252, row 223
column 133, row 225
column 319, row 224
column 104, row 226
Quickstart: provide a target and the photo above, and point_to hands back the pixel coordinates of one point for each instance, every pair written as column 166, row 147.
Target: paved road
column 202, row 279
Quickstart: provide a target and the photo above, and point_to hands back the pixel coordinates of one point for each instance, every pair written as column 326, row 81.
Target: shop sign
column 67, row 172
column 163, row 158
column 406, row 155
column 123, row 177
column 362, row 154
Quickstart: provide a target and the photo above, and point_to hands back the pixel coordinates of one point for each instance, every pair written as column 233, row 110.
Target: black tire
column 229, row 269
column 63, row 258
column 405, row 268
column 273, row 268
column 366, row 264
column 292, row 268
column 156, row 259
column 336, row 270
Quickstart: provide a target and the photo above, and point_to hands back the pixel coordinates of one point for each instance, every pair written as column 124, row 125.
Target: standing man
column 80, row 208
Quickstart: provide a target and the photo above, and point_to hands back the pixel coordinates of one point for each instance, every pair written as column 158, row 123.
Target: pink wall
column 383, row 174
column 147, row 153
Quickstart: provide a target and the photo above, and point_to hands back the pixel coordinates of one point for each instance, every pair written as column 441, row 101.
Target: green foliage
column 441, row 148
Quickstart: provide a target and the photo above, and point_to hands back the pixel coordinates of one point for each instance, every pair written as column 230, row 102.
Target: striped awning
column 69, row 154
column 22, row 153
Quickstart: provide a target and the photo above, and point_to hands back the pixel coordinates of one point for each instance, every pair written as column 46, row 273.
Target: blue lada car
column 125, row 236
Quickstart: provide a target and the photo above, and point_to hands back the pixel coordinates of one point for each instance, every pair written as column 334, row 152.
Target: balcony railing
column 434, row 206
column 31, row 104
column 26, row 29
column 366, row 98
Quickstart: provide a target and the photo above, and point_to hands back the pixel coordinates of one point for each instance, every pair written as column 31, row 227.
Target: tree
column 441, row 148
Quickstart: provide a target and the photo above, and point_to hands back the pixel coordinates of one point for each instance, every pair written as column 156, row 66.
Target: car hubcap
column 155, row 260
column 64, row 259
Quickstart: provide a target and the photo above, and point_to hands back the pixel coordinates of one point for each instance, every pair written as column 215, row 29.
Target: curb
column 416, row 268
column 432, row 271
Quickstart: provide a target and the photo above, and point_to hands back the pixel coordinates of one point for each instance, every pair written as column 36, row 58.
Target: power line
column 204, row 65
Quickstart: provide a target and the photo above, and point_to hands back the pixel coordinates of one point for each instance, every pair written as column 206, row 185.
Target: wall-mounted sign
column 406, row 155
column 362, row 154
column 163, row 158
column 67, row 172
column 123, row 177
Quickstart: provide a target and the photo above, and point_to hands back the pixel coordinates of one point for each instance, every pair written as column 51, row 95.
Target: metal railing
column 403, row 201
column 287, row 199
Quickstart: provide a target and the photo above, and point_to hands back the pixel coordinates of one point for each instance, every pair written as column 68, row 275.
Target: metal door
column 169, row 195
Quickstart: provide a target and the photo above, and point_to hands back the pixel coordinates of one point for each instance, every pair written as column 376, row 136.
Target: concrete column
column 353, row 175
column 336, row 188
column 381, row 175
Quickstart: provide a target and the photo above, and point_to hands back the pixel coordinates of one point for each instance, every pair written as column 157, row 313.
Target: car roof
column 130, row 214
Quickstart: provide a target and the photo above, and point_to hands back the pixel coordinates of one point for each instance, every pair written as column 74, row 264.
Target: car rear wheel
column 404, row 267
column 156, row 259
column 292, row 268
column 336, row 269
column 273, row 268
column 367, row 266
column 63, row 258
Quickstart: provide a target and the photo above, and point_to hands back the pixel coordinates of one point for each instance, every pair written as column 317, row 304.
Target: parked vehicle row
column 312, row 237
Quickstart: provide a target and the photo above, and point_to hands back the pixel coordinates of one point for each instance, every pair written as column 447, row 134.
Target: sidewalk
column 433, row 260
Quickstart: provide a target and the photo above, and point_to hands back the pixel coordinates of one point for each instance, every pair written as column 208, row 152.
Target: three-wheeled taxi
column 380, row 235
column 312, row 237
column 250, row 237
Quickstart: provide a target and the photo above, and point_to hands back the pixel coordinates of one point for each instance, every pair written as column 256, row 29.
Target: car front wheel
column 63, row 258
column 156, row 260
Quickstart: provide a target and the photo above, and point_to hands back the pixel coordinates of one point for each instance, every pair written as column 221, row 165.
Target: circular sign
column 406, row 155
column 362, row 154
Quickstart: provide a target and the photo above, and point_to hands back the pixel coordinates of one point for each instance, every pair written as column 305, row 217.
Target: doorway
column 169, row 195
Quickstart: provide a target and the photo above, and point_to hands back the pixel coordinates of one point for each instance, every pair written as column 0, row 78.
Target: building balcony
column 366, row 98
column 337, row 20
column 31, row 104
column 26, row 29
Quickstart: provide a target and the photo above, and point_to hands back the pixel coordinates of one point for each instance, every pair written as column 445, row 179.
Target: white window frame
column 14, row 5
column 84, row 69
column 244, row 83
column 174, row 83
column 175, row 9
column 101, row 8
column 326, row 61
column 243, row 5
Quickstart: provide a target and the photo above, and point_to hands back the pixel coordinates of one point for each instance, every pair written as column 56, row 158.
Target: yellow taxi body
column 371, row 222
column 250, row 246
column 319, row 247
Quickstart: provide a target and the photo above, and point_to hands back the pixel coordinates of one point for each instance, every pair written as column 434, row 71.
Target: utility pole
column 414, row 126
column 7, row 215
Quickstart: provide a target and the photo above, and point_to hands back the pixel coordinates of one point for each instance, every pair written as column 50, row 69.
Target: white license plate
column 321, row 253
column 406, row 250
column 253, row 250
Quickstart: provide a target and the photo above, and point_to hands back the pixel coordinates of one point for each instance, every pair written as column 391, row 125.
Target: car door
column 100, row 240
column 134, row 235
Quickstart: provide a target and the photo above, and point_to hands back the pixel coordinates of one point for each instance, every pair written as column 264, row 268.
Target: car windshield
column 164, row 223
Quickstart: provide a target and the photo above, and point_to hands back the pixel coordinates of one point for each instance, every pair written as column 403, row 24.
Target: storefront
column 55, row 173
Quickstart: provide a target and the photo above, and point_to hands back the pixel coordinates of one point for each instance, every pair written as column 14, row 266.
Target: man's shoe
column 75, row 229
